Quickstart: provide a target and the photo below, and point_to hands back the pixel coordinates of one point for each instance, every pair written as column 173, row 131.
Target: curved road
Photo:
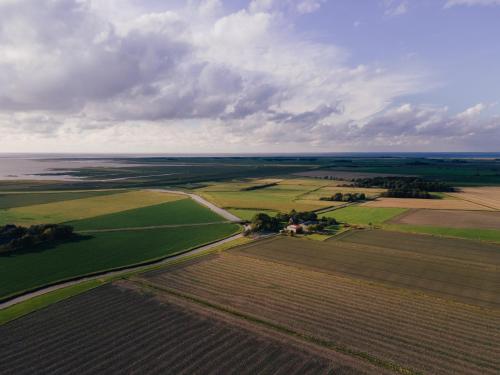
column 222, row 212
column 198, row 250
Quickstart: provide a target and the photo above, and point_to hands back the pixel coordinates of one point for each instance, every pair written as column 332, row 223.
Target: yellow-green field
column 295, row 193
column 77, row 209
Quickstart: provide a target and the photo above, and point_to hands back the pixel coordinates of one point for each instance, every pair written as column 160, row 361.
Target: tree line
column 345, row 197
column 15, row 238
column 404, row 187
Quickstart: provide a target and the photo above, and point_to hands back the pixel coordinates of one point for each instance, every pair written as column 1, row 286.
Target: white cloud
column 452, row 3
column 74, row 74
column 396, row 7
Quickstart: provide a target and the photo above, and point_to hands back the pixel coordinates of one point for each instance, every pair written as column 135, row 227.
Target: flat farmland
column 99, row 252
column 450, row 218
column 431, row 204
column 465, row 271
column 179, row 212
column 364, row 215
column 10, row 200
column 287, row 194
column 92, row 334
column 343, row 175
column 395, row 328
column 485, row 196
column 68, row 210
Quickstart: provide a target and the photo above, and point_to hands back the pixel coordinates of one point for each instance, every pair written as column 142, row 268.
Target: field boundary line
column 470, row 201
column 151, row 227
column 388, row 365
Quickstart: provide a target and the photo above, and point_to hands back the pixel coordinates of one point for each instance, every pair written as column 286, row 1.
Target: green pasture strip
column 11, row 200
column 104, row 251
column 185, row 211
column 489, row 235
column 36, row 303
column 363, row 215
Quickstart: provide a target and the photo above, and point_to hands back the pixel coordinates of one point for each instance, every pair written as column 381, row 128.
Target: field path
column 119, row 272
column 220, row 211
column 150, row 227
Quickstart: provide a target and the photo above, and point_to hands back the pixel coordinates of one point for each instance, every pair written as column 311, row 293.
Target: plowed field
column 321, row 297
column 116, row 330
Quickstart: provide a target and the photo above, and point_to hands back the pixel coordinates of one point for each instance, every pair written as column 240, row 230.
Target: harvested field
column 431, row 204
column 116, row 329
column 450, row 218
column 408, row 332
column 485, row 196
column 287, row 194
column 443, row 267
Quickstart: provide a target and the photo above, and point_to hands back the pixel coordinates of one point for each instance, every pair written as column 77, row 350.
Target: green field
column 364, row 215
column 102, row 251
column 11, row 200
column 247, row 214
column 76, row 209
column 489, row 235
column 184, row 211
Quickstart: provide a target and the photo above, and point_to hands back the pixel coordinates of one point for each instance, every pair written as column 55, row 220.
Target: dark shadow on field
column 45, row 246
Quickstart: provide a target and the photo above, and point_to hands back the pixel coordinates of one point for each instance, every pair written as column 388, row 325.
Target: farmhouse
column 295, row 228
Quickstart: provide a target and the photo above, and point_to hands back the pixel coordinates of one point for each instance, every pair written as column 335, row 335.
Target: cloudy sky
column 249, row 76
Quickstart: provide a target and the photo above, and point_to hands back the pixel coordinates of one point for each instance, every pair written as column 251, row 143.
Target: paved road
column 165, row 261
column 225, row 214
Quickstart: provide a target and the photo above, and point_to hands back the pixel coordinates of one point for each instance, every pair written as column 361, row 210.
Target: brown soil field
column 120, row 330
column 464, row 271
column 431, row 204
column 414, row 332
column 450, row 218
column 486, row 196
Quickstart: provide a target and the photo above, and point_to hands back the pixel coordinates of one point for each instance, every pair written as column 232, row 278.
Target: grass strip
column 36, row 303
column 389, row 365
column 487, row 235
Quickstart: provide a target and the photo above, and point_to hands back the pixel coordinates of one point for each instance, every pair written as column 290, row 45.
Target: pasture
column 363, row 215
column 476, row 234
column 69, row 210
column 450, row 218
column 99, row 252
column 430, row 204
column 92, row 334
column 179, row 212
column 408, row 307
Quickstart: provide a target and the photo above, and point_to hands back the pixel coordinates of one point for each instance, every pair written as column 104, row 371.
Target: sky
column 201, row 76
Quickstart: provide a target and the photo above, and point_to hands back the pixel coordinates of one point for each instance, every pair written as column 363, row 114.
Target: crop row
column 117, row 330
column 400, row 327
column 476, row 284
